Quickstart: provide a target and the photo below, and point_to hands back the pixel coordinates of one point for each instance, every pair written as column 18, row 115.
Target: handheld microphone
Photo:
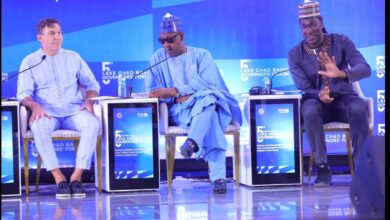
column 135, row 75
column 258, row 90
column 42, row 59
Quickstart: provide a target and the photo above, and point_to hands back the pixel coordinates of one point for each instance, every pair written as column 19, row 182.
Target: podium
column 273, row 155
column 10, row 145
column 130, row 159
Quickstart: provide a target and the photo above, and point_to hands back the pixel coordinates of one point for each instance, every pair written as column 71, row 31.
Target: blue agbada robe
column 195, row 73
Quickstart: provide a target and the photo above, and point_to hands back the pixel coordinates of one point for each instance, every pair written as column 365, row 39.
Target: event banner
column 248, row 48
column 275, row 138
column 133, row 153
column 7, row 163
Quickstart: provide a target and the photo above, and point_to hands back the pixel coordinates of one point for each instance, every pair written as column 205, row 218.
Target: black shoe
column 324, row 176
column 188, row 148
column 63, row 190
column 219, row 186
column 77, row 189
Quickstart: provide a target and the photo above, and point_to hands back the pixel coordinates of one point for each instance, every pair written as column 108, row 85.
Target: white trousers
column 84, row 122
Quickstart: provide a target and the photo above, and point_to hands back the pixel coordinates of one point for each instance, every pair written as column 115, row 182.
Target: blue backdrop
column 248, row 39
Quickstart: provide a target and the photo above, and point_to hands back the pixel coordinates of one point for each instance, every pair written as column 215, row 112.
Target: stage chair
column 28, row 136
column 171, row 132
column 341, row 126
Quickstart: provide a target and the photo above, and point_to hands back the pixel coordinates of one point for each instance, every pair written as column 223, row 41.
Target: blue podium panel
column 273, row 156
column 10, row 161
column 130, row 145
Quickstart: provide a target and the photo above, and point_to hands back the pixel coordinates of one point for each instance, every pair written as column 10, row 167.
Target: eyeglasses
column 168, row 39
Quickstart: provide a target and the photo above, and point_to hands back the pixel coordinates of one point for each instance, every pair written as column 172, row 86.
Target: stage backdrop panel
column 249, row 41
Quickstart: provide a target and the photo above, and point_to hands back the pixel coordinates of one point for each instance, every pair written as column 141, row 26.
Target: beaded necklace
column 326, row 44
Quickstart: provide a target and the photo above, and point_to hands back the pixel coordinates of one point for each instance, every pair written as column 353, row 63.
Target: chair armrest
column 370, row 105
column 369, row 102
column 97, row 109
column 23, row 117
column 163, row 118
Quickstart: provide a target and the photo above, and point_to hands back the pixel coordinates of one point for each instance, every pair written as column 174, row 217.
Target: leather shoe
column 219, row 186
column 188, row 148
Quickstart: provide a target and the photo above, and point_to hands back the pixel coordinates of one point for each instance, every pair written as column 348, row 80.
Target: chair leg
column 302, row 167
column 39, row 163
column 167, row 159
column 25, row 151
column 349, row 150
column 310, row 166
column 76, row 143
column 99, row 162
column 170, row 142
column 301, row 155
column 236, row 140
column 76, row 146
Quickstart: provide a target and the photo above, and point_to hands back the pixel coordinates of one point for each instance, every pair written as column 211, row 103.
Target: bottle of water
column 122, row 91
column 266, row 85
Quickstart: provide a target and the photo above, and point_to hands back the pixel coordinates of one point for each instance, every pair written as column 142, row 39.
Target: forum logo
column 244, row 69
column 381, row 129
column 260, row 134
column 380, row 100
column 107, row 74
column 4, row 76
column 380, row 66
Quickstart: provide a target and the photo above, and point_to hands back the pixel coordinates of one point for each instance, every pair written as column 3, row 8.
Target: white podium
column 273, row 155
column 130, row 159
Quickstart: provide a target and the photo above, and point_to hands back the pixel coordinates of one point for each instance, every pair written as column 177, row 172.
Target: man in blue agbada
column 197, row 97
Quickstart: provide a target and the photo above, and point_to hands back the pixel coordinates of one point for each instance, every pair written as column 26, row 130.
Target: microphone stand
column 135, row 75
column 42, row 59
column 259, row 90
column 272, row 76
column 277, row 73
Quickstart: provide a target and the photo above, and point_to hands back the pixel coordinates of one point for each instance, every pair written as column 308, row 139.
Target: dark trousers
column 347, row 108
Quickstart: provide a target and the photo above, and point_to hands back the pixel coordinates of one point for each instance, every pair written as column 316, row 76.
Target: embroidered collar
column 323, row 48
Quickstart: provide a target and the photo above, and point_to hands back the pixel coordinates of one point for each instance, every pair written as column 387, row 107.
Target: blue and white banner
column 275, row 139
column 7, row 144
column 249, row 40
column 133, row 150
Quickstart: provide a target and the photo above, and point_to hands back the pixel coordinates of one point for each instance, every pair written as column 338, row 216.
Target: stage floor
column 190, row 199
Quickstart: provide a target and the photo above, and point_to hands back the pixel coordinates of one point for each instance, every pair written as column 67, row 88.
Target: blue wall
column 248, row 39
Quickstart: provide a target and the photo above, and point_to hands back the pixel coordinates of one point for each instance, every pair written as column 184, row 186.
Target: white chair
column 171, row 132
column 341, row 126
column 27, row 136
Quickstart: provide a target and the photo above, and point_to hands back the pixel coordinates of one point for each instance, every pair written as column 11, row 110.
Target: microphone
column 42, row 59
column 135, row 75
column 258, row 90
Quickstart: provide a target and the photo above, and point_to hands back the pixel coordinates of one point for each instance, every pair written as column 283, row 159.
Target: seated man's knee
column 311, row 108
column 358, row 109
column 41, row 126
column 87, row 121
column 93, row 124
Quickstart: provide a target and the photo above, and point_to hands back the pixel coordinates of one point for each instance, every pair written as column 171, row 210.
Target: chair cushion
column 232, row 128
column 57, row 134
column 176, row 130
column 336, row 125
